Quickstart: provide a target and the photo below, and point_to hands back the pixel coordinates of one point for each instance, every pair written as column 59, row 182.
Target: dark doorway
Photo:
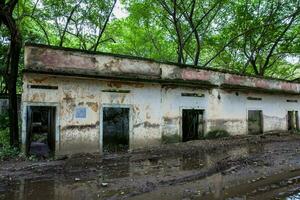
column 192, row 124
column 115, row 129
column 293, row 123
column 255, row 122
column 40, row 139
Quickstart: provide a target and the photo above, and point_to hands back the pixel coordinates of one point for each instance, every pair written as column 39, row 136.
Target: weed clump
column 6, row 151
column 216, row 134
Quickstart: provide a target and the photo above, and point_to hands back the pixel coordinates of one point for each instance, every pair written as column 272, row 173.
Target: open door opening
column 40, row 137
column 255, row 122
column 293, row 121
column 192, row 124
column 115, row 129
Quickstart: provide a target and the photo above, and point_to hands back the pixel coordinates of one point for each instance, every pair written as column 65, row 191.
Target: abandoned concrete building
column 77, row 101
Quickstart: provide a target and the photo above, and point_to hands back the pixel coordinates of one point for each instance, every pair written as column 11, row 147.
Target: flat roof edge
column 199, row 84
column 28, row 44
column 257, row 89
column 204, row 84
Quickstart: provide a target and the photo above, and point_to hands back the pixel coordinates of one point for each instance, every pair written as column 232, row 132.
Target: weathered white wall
column 83, row 135
column 226, row 111
column 172, row 105
column 155, row 109
column 62, row 60
column 233, row 109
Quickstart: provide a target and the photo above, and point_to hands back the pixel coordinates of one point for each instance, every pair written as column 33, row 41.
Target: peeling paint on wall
column 66, row 61
column 155, row 106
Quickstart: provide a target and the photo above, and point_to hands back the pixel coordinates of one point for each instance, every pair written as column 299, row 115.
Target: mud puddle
column 117, row 178
column 288, row 189
column 281, row 186
column 231, row 173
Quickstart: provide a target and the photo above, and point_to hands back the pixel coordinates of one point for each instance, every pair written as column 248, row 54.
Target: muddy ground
column 250, row 167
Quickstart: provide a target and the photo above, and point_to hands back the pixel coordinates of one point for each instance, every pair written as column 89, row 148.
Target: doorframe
column 130, row 142
column 287, row 119
column 262, row 117
column 24, row 113
column 296, row 120
column 181, row 108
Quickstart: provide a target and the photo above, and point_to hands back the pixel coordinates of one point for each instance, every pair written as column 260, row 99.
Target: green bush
column 168, row 139
column 4, row 133
column 296, row 132
column 4, row 137
column 4, row 121
column 216, row 134
column 7, row 152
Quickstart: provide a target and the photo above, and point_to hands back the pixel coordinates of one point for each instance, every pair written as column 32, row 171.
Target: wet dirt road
column 266, row 167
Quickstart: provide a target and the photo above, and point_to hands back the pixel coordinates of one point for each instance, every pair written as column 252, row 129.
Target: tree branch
column 67, row 23
column 104, row 26
column 278, row 40
column 40, row 25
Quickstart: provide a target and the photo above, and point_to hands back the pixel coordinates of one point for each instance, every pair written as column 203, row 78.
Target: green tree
column 12, row 64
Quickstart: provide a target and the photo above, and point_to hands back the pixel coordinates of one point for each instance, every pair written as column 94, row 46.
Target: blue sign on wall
column 80, row 112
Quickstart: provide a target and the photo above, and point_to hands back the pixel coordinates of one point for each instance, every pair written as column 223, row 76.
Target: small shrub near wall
column 168, row 139
column 297, row 132
column 4, row 130
column 216, row 134
column 6, row 151
column 4, row 137
column 4, row 121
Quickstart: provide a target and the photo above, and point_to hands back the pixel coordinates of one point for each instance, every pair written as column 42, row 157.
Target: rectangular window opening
column 291, row 100
column 254, row 98
column 192, row 124
column 45, row 87
column 117, row 91
column 192, row 95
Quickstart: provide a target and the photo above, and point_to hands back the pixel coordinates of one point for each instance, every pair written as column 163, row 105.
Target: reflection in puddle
column 294, row 196
column 215, row 184
column 50, row 189
column 89, row 186
column 192, row 161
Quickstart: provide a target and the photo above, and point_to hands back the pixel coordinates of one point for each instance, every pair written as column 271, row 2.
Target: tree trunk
column 15, row 49
column 6, row 18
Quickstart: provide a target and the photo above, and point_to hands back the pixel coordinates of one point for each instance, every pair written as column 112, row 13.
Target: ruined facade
column 97, row 97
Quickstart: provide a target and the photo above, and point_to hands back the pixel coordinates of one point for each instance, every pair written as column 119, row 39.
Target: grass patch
column 4, row 121
column 216, row 134
column 6, row 151
column 167, row 139
column 4, row 137
column 4, row 131
column 297, row 132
